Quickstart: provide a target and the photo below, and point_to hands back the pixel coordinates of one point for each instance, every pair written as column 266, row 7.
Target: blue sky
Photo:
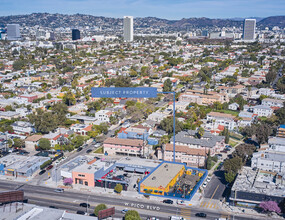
column 169, row 9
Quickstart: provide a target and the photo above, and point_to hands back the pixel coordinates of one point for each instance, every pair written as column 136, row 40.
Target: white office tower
column 13, row 32
column 249, row 29
column 128, row 28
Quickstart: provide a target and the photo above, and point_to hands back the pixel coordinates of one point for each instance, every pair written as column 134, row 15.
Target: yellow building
column 162, row 179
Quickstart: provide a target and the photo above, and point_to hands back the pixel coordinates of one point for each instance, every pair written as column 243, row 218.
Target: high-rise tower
column 249, row 29
column 128, row 28
column 13, row 32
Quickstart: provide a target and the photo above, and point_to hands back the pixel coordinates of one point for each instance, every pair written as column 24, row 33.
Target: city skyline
column 145, row 8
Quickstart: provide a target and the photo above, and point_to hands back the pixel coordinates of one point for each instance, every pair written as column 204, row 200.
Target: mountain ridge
column 77, row 20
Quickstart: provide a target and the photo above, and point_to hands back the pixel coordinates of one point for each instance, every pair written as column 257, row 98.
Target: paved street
column 70, row 200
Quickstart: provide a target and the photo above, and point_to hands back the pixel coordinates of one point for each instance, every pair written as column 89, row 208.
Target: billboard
column 106, row 213
column 11, row 196
column 124, row 92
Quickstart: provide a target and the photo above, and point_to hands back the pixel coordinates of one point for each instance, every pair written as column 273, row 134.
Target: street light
column 87, row 204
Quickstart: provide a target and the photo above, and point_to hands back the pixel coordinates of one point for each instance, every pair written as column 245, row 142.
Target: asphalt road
column 216, row 187
column 70, row 200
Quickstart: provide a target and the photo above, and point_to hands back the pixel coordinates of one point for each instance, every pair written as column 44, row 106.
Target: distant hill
column 77, row 20
column 273, row 21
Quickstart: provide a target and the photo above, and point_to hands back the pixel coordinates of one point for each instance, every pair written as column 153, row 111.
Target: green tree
column 99, row 208
column 118, row 188
column 281, row 85
column 167, row 125
column 49, row 96
column 18, row 64
column 132, row 215
column 167, row 86
column 44, row 144
column 68, row 98
column 233, row 165
column 18, row 142
column 77, row 141
column 60, row 110
column 230, row 176
column 44, row 122
column 200, row 132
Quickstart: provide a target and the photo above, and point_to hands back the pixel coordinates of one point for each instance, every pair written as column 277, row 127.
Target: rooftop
column 259, row 182
column 127, row 142
column 162, row 175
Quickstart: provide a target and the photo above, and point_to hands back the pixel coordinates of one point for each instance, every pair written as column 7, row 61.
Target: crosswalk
column 209, row 204
column 185, row 213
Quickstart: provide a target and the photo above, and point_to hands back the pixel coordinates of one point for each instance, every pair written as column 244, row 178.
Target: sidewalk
column 245, row 212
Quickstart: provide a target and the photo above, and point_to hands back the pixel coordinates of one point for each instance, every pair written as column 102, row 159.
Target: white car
column 208, row 179
column 204, row 184
column 124, row 211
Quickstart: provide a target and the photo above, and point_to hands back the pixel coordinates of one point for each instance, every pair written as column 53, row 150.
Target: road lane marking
column 208, row 204
column 214, row 192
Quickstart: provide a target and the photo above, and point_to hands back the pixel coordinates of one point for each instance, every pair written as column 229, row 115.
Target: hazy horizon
column 165, row 9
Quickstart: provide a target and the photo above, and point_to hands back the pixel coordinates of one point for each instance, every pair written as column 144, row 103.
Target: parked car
column 53, row 207
column 168, row 201
column 88, row 151
column 124, row 211
column 59, row 190
column 84, row 204
column 42, row 172
column 134, row 185
column 79, row 149
column 80, row 212
column 204, row 184
column 201, row 214
column 208, row 179
column 49, row 167
column 224, row 151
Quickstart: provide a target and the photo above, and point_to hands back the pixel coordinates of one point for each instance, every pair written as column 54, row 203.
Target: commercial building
column 254, row 186
column 21, row 166
column 173, row 180
column 249, row 29
column 128, row 29
column 75, row 34
column 13, row 32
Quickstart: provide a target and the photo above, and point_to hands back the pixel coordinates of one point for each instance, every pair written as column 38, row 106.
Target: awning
column 129, row 169
column 140, row 170
column 120, row 166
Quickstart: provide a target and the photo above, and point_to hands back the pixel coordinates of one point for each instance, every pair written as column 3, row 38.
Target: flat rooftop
column 162, row 175
column 259, row 182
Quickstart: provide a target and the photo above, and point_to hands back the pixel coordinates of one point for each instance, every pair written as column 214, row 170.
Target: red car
column 49, row 167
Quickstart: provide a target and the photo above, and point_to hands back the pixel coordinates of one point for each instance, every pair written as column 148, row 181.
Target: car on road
column 168, row 201
column 59, row 190
column 79, row 149
column 201, row 214
column 53, row 207
column 42, row 172
column 134, row 185
column 124, row 211
column 49, row 167
column 84, row 204
column 80, row 212
column 88, row 151
column 204, row 184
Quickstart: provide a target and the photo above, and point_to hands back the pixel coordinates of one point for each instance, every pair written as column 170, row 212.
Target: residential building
column 157, row 117
column 262, row 110
column 81, row 129
column 9, row 115
column 103, row 116
column 272, row 102
column 123, row 147
column 208, row 142
column 214, row 119
column 199, row 97
column 234, row 106
column 128, row 29
column 32, row 141
column 13, row 32
column 184, row 154
column 249, row 29
column 23, row 127
column 269, row 161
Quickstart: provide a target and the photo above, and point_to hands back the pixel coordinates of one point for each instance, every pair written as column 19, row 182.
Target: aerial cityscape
column 122, row 113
